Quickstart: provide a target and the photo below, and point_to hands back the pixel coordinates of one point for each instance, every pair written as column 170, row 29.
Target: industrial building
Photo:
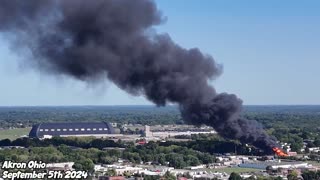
column 98, row 129
column 276, row 165
column 166, row 134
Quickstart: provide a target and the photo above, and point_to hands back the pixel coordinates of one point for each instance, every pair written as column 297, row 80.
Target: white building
column 120, row 170
column 63, row 165
column 148, row 132
column 314, row 149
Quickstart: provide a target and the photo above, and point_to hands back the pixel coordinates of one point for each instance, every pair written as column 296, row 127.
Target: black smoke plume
column 114, row 39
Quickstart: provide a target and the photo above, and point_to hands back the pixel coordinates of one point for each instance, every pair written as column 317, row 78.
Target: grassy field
column 13, row 134
column 234, row 169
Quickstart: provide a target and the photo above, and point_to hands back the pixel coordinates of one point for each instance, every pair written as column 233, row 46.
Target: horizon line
column 123, row 105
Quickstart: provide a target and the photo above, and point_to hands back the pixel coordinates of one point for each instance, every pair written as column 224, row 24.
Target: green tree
column 317, row 142
column 169, row 176
column 111, row 172
column 86, row 165
column 77, row 166
column 176, row 160
column 251, row 178
column 161, row 158
column 296, row 147
column 235, row 176
column 293, row 175
column 192, row 160
column 127, row 174
column 309, row 175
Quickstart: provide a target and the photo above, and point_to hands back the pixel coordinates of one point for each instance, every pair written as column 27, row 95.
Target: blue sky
column 269, row 49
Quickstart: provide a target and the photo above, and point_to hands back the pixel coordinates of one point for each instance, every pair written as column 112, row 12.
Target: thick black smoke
column 113, row 39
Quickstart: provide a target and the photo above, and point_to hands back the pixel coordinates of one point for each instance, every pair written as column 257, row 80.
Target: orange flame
column 279, row 152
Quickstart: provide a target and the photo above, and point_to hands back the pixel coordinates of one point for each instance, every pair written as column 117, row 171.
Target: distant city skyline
column 269, row 51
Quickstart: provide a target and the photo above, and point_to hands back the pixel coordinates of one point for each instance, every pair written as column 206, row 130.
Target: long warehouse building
column 71, row 129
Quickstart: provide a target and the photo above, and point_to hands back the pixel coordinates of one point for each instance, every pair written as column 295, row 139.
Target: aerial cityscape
column 145, row 89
